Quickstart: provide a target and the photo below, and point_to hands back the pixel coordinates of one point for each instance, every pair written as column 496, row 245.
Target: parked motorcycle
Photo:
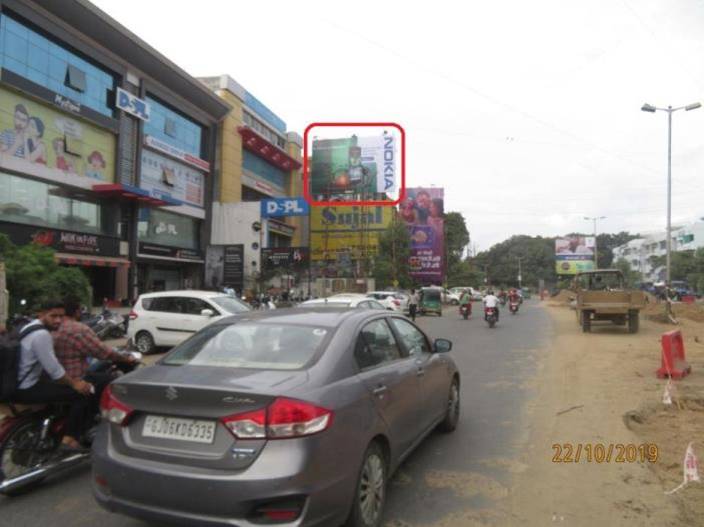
column 30, row 438
column 491, row 316
column 107, row 325
column 466, row 310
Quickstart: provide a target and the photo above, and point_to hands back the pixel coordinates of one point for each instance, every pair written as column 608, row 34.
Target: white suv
column 169, row 318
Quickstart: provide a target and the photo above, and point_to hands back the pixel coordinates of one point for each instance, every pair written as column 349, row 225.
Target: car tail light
column 133, row 315
column 397, row 303
column 284, row 418
column 280, row 511
column 112, row 409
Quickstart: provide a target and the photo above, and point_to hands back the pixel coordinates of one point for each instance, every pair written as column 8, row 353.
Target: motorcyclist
column 513, row 296
column 466, row 301
column 75, row 343
column 492, row 301
column 37, row 357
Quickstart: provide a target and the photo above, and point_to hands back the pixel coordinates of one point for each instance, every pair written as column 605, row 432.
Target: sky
column 527, row 113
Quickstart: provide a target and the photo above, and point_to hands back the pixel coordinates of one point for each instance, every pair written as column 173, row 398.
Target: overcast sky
column 528, row 113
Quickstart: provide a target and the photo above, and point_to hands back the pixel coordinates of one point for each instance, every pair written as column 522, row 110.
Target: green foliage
column 391, row 261
column 34, row 275
column 685, row 265
column 631, row 277
column 605, row 245
column 458, row 272
column 537, row 254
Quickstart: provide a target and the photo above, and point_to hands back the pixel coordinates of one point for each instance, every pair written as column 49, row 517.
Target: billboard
column 288, row 258
column 423, row 212
column 35, row 136
column 353, row 165
column 164, row 178
column 574, row 254
column 347, row 231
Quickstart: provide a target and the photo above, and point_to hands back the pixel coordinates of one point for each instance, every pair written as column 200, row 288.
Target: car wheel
column 452, row 417
column 144, row 343
column 370, row 496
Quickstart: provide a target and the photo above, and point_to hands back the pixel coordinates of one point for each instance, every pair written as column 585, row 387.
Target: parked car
column 297, row 416
column 475, row 294
column 168, row 318
column 391, row 300
column 351, row 301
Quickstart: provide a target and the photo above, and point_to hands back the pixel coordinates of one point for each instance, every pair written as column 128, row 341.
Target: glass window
column 173, row 128
column 230, row 304
column 265, row 170
column 413, row 340
column 376, row 345
column 166, row 228
column 75, row 78
column 250, row 345
column 194, row 306
column 36, row 203
column 42, row 61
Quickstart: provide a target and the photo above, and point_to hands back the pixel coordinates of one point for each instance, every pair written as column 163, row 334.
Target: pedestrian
column 413, row 305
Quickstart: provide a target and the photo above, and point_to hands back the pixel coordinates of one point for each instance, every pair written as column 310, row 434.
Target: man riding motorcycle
column 491, row 301
column 37, row 357
column 466, row 302
column 514, row 300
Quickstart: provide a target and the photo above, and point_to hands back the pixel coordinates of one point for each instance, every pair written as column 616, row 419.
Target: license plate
column 179, row 429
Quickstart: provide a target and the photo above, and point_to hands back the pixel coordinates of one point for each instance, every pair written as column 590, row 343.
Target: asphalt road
column 454, row 479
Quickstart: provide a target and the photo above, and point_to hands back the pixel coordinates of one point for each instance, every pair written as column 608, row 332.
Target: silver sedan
column 289, row 417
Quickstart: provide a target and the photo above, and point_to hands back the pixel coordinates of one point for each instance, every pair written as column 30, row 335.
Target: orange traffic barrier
column 673, row 364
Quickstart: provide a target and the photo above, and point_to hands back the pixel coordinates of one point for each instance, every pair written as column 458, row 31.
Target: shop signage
column 150, row 249
column 164, row 178
column 60, row 240
column 132, row 104
column 292, row 258
column 281, row 228
column 278, row 207
column 166, row 148
column 67, row 104
column 233, row 266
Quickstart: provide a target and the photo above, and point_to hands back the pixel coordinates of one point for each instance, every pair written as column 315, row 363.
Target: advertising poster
column 233, row 266
column 288, row 258
column 162, row 177
column 423, row 213
column 354, row 165
column 44, row 138
column 350, row 230
column 574, row 254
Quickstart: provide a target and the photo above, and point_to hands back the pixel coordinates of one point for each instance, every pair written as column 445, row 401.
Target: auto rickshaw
column 430, row 301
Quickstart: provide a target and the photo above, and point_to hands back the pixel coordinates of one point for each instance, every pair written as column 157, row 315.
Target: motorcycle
column 466, row 310
column 513, row 306
column 491, row 316
column 30, row 438
column 107, row 325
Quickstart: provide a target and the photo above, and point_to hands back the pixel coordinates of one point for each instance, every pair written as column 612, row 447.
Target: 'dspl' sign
column 277, row 207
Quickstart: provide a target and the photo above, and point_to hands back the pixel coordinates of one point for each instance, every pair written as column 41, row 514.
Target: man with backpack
column 35, row 347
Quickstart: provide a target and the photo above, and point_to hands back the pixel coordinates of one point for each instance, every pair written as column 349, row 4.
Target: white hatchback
column 168, row 318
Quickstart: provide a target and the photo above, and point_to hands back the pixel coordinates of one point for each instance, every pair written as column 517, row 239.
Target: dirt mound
column 656, row 312
column 564, row 296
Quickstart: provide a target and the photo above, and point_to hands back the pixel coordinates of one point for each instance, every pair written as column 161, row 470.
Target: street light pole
column 520, row 278
column 652, row 109
column 595, row 219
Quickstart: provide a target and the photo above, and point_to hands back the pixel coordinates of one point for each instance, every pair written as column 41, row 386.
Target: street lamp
column 595, row 219
column 652, row 109
column 520, row 278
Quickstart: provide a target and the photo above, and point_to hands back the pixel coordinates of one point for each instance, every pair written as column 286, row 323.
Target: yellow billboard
column 41, row 138
column 349, row 230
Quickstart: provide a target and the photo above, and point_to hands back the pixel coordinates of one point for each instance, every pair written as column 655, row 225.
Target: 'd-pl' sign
column 166, row 148
column 132, row 104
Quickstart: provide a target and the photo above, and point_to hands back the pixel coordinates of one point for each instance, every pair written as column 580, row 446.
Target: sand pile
column 656, row 311
column 564, row 296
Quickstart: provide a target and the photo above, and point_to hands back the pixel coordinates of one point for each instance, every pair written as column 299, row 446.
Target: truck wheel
column 586, row 322
column 633, row 321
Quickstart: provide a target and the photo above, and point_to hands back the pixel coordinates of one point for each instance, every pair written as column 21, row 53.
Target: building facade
column 259, row 160
column 639, row 253
column 107, row 149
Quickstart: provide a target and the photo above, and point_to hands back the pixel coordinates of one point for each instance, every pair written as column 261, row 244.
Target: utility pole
column 595, row 219
column 519, row 272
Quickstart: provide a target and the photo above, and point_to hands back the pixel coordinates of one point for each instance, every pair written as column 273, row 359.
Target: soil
column 656, row 312
column 601, row 387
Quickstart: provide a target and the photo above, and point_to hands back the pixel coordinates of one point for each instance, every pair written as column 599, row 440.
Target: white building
column 638, row 252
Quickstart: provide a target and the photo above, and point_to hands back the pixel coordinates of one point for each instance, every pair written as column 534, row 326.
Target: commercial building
column 106, row 149
column 259, row 160
column 639, row 253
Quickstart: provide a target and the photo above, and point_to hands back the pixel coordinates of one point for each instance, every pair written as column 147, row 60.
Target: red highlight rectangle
column 306, row 175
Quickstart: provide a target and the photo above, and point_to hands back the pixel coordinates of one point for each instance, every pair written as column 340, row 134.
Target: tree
column 630, row 276
column 391, row 261
column 500, row 262
column 34, row 275
column 684, row 265
column 458, row 272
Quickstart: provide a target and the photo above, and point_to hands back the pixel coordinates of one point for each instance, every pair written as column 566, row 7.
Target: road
column 451, row 480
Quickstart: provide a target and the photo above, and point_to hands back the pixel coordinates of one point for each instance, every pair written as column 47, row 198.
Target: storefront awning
column 134, row 193
column 255, row 143
column 88, row 260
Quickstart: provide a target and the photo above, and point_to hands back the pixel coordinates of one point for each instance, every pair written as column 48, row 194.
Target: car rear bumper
column 179, row 495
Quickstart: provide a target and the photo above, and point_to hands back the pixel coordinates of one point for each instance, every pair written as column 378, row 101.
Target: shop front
column 169, row 255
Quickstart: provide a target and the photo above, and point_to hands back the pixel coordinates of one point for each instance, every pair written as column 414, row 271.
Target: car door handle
column 420, row 372
column 379, row 390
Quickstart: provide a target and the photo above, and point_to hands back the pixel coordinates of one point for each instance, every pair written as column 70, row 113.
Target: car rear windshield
column 230, row 304
column 251, row 345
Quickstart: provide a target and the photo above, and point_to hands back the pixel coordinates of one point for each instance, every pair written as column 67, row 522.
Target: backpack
column 10, row 352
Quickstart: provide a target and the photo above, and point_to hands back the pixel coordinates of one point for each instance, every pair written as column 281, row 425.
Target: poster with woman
column 423, row 212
